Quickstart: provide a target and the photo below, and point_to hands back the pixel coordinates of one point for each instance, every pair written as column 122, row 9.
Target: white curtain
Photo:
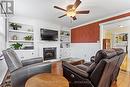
column 2, row 34
column 3, row 68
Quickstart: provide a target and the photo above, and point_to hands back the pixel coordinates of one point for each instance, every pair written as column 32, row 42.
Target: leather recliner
column 93, row 58
column 101, row 75
column 19, row 72
column 101, row 54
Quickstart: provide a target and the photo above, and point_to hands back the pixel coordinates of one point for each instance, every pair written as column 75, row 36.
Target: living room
column 38, row 32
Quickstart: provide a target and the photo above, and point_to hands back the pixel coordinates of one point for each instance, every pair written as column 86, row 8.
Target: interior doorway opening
column 116, row 34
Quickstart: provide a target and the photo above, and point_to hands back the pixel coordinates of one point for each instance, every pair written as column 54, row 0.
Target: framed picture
column 121, row 37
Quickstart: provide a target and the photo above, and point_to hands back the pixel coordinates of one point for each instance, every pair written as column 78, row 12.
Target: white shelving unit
column 24, row 41
column 18, row 36
column 65, row 42
column 27, row 50
column 19, row 31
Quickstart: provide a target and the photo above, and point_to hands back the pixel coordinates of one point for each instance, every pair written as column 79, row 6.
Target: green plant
column 29, row 37
column 15, row 26
column 16, row 46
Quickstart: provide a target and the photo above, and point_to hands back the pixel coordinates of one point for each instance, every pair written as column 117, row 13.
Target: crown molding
column 101, row 19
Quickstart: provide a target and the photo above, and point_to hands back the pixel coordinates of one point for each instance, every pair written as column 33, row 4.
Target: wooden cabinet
column 106, row 43
column 26, row 54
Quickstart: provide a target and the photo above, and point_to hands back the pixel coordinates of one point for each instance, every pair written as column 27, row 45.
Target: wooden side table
column 56, row 68
column 47, row 80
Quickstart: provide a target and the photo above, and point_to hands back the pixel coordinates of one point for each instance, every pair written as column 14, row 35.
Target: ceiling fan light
column 71, row 13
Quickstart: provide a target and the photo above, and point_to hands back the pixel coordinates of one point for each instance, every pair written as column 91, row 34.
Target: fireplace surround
column 49, row 53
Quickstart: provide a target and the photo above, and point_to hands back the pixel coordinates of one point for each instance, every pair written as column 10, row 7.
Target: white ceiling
column 43, row 9
column 117, row 25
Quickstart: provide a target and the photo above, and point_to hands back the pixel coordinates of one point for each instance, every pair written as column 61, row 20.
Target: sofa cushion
column 88, row 69
column 97, row 73
column 83, row 67
column 109, row 53
column 91, row 68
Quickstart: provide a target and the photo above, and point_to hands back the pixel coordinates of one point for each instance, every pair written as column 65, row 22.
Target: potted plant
column 15, row 26
column 29, row 37
column 16, row 46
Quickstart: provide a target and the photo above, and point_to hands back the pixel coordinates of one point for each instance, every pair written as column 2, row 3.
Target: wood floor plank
column 123, row 80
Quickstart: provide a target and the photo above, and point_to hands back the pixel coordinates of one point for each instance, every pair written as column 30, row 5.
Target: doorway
column 116, row 34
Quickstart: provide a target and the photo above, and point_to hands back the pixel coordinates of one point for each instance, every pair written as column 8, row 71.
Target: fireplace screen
column 49, row 53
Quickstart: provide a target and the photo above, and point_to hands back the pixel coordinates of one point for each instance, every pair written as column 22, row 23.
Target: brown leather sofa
column 100, row 73
column 121, row 55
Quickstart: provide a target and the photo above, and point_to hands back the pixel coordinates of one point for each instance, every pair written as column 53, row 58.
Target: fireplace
column 49, row 53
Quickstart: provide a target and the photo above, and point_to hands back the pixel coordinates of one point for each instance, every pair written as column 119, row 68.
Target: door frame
column 110, row 22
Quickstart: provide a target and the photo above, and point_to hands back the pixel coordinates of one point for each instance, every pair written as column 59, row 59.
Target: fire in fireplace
column 49, row 53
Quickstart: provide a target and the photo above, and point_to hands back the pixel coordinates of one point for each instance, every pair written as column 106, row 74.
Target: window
column 2, row 34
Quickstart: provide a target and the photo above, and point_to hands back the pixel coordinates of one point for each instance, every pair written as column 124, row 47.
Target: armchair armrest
column 76, row 76
column 20, row 76
column 32, row 61
column 75, row 70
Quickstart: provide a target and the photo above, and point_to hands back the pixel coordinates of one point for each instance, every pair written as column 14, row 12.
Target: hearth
column 49, row 53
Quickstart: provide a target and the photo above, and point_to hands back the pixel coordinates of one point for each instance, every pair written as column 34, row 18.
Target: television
column 50, row 35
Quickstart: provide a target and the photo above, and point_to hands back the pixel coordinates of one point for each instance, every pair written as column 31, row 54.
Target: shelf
column 25, row 41
column 64, row 36
column 65, row 48
column 65, row 41
column 25, row 50
column 19, row 31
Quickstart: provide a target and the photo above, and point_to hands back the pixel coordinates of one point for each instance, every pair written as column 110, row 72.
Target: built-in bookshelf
column 20, row 36
column 65, row 43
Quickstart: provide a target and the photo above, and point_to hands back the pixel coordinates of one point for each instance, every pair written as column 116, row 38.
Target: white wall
column 84, row 50
column 37, row 24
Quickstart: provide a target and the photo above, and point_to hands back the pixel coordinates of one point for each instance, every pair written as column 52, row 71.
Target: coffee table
column 47, row 80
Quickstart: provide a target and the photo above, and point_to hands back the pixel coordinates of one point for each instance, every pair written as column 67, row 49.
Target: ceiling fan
column 71, row 10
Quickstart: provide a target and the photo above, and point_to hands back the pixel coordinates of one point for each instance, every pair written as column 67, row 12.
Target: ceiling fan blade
column 59, row 8
column 82, row 12
column 76, row 4
column 62, row 16
column 74, row 18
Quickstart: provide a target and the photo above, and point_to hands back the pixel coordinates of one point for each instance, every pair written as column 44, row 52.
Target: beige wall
column 109, row 33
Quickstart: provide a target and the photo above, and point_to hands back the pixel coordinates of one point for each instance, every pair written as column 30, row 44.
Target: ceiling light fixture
column 121, row 26
column 71, row 13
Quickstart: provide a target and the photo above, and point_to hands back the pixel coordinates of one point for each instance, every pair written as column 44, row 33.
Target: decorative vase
column 15, row 37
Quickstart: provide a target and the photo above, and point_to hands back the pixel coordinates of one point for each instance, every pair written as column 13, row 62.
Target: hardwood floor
column 123, row 80
column 125, row 64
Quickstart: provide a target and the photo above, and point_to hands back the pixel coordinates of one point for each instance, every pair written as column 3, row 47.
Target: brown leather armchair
column 101, row 75
column 101, row 54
